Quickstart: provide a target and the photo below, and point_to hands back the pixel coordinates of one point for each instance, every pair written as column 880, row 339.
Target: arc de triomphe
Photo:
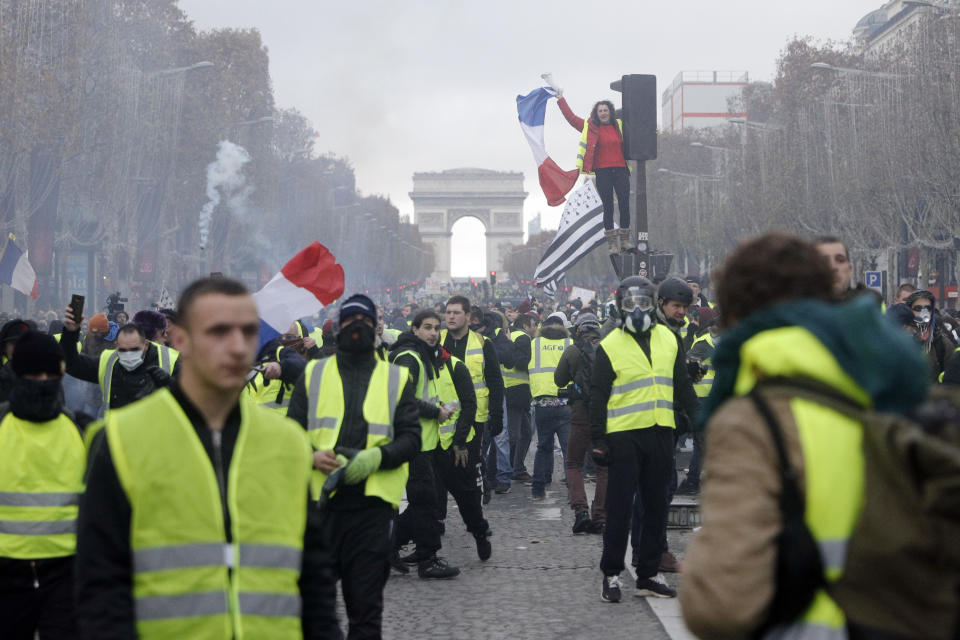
column 493, row 197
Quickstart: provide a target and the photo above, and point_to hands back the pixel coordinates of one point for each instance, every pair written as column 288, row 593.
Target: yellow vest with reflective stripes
column 473, row 358
column 517, row 376
column 448, row 393
column 166, row 358
column 642, row 392
column 41, row 478
column 427, row 391
column 545, row 354
column 582, row 149
column 188, row 582
column 325, row 417
column 706, row 382
column 270, row 394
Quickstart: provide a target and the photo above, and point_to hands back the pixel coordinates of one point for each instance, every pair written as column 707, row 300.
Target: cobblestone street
column 542, row 582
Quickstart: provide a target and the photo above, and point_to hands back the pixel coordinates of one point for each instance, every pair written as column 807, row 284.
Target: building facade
column 703, row 99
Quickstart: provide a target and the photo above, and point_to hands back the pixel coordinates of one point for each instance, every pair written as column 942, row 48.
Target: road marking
column 667, row 610
column 550, row 513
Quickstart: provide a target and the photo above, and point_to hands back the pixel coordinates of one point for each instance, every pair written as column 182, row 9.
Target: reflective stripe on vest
column 41, row 477
column 188, row 581
column 448, row 393
column 107, row 361
column 429, row 427
column 642, row 391
column 703, row 387
column 546, row 353
column 325, row 396
column 473, row 358
column 517, row 376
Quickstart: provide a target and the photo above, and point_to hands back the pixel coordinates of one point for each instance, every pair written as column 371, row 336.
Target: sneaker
column 611, row 589
column 688, row 488
column 437, row 569
column 484, row 548
column 596, row 527
column 523, row 477
column 486, row 496
column 669, row 563
column 502, row 488
column 397, row 564
column 655, row 586
column 582, row 522
column 539, row 496
column 414, row 558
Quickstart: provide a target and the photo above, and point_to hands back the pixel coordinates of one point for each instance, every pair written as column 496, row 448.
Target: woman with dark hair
column 601, row 153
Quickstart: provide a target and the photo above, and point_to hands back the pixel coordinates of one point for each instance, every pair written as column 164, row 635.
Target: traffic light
column 639, row 114
column 493, row 278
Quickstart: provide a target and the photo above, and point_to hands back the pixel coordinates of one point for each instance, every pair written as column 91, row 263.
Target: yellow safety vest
column 41, row 478
column 583, row 141
column 429, row 427
column 473, row 358
column 518, row 375
column 270, row 394
column 166, row 358
column 325, row 417
column 546, row 354
column 833, row 461
column 188, row 582
column 642, row 392
column 685, row 329
column 448, row 393
column 706, row 382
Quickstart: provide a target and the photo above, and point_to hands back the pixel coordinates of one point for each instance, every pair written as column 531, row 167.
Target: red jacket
column 601, row 150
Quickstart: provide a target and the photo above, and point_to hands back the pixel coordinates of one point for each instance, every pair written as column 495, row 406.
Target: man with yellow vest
column 814, row 368
column 551, row 413
column 480, row 356
column 42, row 459
column 639, row 380
column 360, row 413
column 700, row 366
column 440, row 384
column 280, row 364
column 134, row 370
column 517, row 391
column 194, row 519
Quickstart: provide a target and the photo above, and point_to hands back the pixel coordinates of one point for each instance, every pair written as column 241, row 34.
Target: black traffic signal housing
column 639, row 115
column 493, row 278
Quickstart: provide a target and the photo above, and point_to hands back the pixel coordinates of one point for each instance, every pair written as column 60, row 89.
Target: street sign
column 874, row 279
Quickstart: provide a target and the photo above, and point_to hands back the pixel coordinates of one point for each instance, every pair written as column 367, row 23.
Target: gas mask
column 130, row 360
column 923, row 317
column 637, row 311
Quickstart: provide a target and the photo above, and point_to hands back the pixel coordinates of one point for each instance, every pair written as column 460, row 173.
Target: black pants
column 521, row 434
column 464, row 484
column 355, row 550
column 418, row 522
column 641, row 461
column 612, row 179
column 47, row 609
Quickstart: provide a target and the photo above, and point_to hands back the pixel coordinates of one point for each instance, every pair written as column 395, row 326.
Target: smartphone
column 76, row 303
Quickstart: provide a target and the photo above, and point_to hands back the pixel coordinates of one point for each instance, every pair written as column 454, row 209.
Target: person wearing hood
column 574, row 370
column 929, row 333
column 640, row 383
column 551, row 413
column 9, row 335
column 792, row 353
column 134, row 370
column 360, row 414
column 42, row 460
column 445, row 400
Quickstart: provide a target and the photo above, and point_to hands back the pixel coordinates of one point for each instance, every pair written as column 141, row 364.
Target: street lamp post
column 696, row 179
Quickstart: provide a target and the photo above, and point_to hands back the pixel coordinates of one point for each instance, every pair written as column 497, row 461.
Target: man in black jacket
column 518, row 396
column 217, row 336
column 354, row 538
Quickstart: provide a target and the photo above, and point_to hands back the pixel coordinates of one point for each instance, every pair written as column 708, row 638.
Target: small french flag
column 15, row 269
column 555, row 182
column 310, row 281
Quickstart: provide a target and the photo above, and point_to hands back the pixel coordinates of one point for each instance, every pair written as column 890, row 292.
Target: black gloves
column 600, row 452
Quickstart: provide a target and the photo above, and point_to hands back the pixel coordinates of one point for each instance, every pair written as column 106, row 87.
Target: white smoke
column 225, row 179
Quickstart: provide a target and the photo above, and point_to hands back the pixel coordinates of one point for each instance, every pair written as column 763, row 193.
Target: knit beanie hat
column 13, row 330
column 151, row 322
column 99, row 323
column 358, row 303
column 37, row 353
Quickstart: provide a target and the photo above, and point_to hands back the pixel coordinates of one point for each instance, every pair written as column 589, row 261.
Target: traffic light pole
column 641, row 237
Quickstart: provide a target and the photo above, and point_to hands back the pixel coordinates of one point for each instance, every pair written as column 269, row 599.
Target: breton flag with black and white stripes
column 580, row 232
column 550, row 289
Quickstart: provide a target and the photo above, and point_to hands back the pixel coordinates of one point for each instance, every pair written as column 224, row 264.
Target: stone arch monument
column 493, row 197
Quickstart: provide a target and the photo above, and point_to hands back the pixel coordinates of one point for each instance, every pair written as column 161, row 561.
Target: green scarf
column 883, row 360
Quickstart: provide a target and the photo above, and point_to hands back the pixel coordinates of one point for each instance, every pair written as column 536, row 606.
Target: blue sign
column 874, row 279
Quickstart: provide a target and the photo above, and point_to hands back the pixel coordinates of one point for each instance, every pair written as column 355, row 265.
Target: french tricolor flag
column 15, row 269
column 555, row 182
column 310, row 281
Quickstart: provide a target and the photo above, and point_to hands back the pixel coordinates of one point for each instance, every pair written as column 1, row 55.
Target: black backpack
column 584, row 373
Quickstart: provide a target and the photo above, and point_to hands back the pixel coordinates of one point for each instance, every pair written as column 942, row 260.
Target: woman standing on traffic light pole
column 601, row 153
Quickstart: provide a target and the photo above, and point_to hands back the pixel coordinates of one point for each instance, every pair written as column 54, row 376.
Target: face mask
column 639, row 321
column 924, row 316
column 475, row 327
column 36, row 400
column 356, row 337
column 130, row 360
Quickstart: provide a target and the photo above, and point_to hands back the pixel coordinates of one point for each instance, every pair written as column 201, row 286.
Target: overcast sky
column 405, row 86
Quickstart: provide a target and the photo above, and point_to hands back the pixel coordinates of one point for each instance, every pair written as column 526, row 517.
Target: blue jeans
column 550, row 421
column 497, row 467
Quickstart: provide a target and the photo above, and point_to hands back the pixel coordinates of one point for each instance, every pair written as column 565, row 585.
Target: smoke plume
column 225, row 179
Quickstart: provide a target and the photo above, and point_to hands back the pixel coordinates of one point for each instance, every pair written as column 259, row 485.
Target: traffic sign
column 874, row 279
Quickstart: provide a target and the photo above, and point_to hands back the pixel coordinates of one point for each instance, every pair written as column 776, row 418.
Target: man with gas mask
column 134, row 370
column 360, row 414
column 42, row 459
column 446, row 400
column 639, row 377
column 929, row 332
